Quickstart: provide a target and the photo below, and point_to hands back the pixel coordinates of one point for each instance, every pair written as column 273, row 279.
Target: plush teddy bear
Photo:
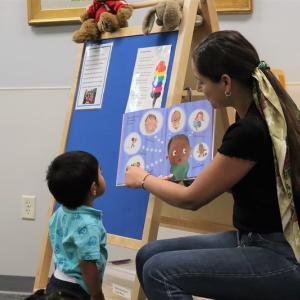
column 88, row 31
column 168, row 14
column 102, row 16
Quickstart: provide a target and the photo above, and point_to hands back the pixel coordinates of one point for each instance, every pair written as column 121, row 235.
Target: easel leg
column 150, row 234
column 41, row 278
column 137, row 291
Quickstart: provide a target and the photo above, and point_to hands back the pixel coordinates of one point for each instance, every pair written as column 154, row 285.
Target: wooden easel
column 182, row 76
column 176, row 94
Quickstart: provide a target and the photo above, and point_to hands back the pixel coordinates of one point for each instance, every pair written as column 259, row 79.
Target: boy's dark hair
column 70, row 176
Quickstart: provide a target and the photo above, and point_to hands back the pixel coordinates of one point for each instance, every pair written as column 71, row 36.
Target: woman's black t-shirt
column 255, row 197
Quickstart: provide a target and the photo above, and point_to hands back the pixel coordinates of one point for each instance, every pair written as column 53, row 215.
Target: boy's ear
column 93, row 189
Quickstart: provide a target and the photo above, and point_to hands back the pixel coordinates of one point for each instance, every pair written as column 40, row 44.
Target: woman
column 261, row 259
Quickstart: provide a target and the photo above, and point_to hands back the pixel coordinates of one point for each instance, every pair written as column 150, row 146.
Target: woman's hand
column 134, row 176
column 167, row 177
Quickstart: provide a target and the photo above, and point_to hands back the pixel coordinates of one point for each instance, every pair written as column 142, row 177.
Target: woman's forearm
column 170, row 192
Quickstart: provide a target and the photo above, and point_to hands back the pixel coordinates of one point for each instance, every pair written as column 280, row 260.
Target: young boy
column 77, row 235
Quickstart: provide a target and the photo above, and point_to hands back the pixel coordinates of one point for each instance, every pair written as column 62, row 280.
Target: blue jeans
column 228, row 265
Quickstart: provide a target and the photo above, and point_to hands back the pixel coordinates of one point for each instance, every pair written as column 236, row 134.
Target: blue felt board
column 98, row 131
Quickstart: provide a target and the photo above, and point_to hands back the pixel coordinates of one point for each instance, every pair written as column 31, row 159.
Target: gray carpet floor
column 15, row 287
column 12, row 295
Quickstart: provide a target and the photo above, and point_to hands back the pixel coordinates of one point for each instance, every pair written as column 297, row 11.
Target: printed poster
column 149, row 78
column 93, row 76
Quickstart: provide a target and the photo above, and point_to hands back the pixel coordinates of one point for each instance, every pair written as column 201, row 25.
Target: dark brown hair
column 70, row 176
column 229, row 52
column 293, row 128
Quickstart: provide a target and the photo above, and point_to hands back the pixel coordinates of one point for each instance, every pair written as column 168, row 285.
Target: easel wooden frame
column 187, row 38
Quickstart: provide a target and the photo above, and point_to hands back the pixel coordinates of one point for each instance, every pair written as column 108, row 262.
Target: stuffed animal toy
column 88, row 31
column 168, row 14
column 102, row 16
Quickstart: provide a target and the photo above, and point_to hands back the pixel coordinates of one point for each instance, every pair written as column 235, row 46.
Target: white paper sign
column 93, row 76
column 149, row 78
column 121, row 291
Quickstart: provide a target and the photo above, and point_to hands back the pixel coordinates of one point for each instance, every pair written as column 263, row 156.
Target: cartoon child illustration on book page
column 132, row 143
column 151, row 122
column 201, row 151
column 198, row 120
column 136, row 161
column 179, row 150
column 176, row 119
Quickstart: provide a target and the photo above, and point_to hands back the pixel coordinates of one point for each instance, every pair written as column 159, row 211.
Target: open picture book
column 176, row 140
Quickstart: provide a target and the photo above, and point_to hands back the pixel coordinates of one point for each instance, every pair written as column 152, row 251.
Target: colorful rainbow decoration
column 157, row 84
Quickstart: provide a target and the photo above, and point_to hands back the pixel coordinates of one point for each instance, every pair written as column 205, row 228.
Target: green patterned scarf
column 269, row 105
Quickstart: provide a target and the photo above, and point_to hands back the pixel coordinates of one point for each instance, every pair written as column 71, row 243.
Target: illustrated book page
column 177, row 140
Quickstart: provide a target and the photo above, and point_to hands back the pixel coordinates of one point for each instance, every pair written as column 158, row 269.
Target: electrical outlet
column 28, row 207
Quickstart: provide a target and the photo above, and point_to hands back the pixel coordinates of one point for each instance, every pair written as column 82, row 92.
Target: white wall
column 272, row 29
column 30, row 129
column 36, row 66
